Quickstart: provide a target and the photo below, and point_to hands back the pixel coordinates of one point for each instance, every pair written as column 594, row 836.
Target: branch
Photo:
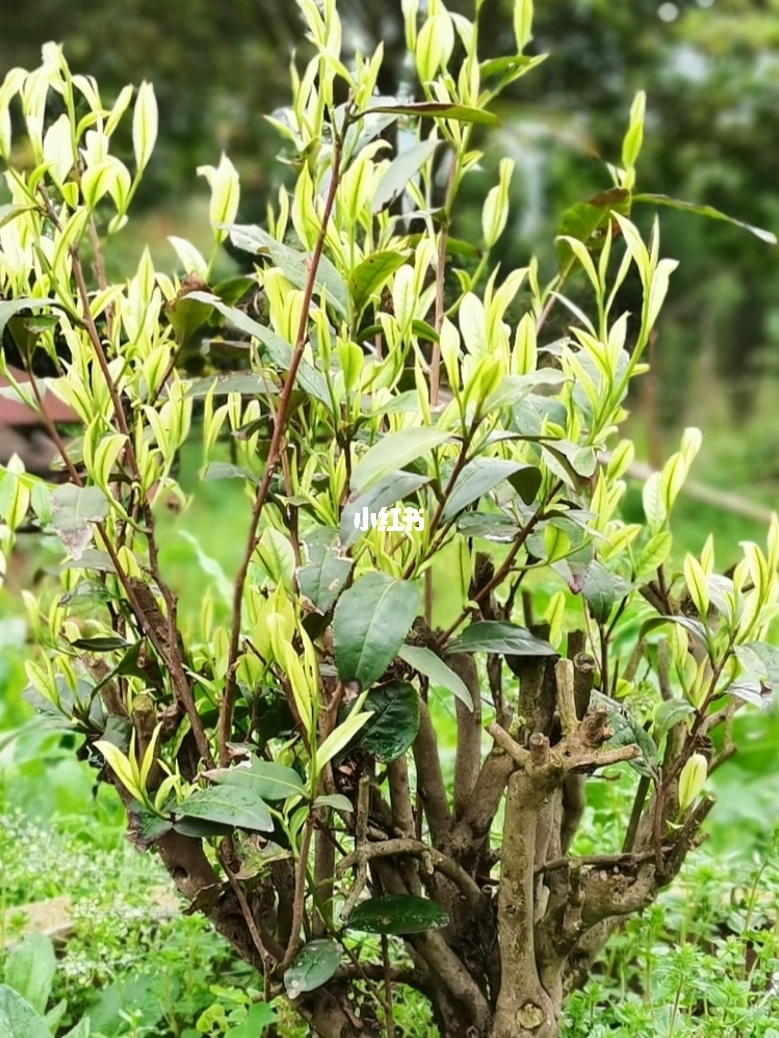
column 330, row 1015
column 566, row 703
column 468, row 834
column 453, row 975
column 279, row 426
column 517, row 753
column 403, row 814
column 617, row 895
column 468, row 754
column 597, row 861
column 431, row 858
column 360, row 834
column 267, row 959
column 299, row 903
column 521, row 990
column 408, row 976
column 173, row 658
column 430, row 780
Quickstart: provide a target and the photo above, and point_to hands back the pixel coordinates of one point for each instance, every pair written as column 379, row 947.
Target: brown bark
column 505, row 962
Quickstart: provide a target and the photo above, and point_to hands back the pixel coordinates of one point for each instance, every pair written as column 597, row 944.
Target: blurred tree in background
column 710, row 69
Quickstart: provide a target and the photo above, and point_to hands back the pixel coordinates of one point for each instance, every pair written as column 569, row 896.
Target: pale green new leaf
column 433, row 667
column 145, row 124
column 393, row 451
column 402, row 168
column 340, row 737
column 523, row 23
column 121, row 766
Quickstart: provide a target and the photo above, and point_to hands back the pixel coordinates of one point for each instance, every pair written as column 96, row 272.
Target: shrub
column 394, row 435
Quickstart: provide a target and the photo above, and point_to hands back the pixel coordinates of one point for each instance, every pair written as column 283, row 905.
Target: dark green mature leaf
column 100, row 644
column 235, row 288
column 527, row 482
column 433, row 667
column 29, row 970
column 223, row 470
column 402, row 168
column 370, row 623
column 395, row 722
column 11, row 211
column 73, row 512
column 323, row 578
column 573, row 464
column 372, row 274
column 491, row 526
column 91, row 558
column 201, row 828
column 695, row 627
column 705, row 210
column 259, row 1017
column 294, row 264
column 669, row 713
column 499, row 66
column 145, row 826
column 479, row 477
column 186, row 315
column 628, row 732
column 761, row 658
column 87, row 594
column 513, row 389
column 602, row 590
column 10, row 307
column 386, row 492
column 279, row 351
column 752, row 692
column 17, row 1017
column 587, row 221
column 118, row 731
column 248, row 383
column 649, row 761
column 265, row 780
column 127, row 666
column 439, row 110
column 397, row 914
column 313, row 967
column 227, row 805
column 531, row 413
column 501, row 638
column 393, row 451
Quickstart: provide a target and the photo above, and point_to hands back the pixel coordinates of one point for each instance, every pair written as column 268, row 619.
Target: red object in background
column 22, row 432
column 15, row 413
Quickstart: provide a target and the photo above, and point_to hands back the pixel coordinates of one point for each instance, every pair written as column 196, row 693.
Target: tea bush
column 393, row 429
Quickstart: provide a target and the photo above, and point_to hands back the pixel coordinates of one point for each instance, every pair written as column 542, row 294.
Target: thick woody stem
column 523, row 1006
column 430, row 779
column 468, row 756
column 403, row 815
column 566, row 703
column 432, row 860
